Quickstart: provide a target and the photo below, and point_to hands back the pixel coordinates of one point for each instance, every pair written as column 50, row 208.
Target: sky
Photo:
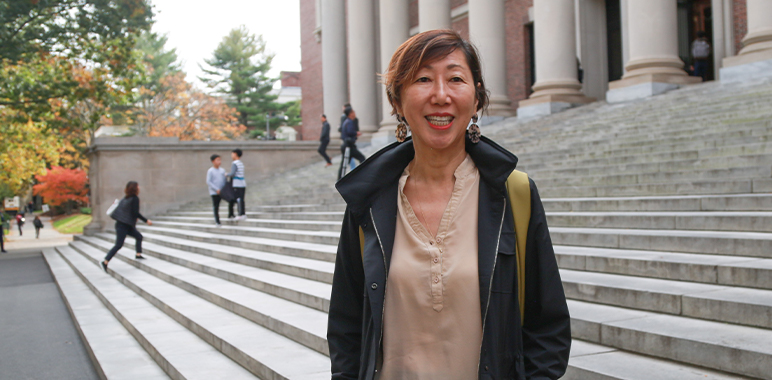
column 196, row 27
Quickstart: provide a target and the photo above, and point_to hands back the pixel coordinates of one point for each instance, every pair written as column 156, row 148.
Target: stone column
column 335, row 86
column 394, row 30
column 654, row 66
column 487, row 32
column 557, row 87
column 755, row 58
column 361, row 65
column 433, row 14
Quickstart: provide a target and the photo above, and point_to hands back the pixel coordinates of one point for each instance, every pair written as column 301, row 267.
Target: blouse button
column 436, row 260
column 431, row 243
column 436, row 280
column 439, row 240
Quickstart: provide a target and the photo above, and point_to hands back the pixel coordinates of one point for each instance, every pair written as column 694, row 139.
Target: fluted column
column 654, row 66
column 335, row 85
column 361, row 64
column 433, row 14
column 488, row 33
column 557, row 86
column 394, row 30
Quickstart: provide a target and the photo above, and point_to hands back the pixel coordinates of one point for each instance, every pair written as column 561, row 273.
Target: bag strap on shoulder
column 519, row 189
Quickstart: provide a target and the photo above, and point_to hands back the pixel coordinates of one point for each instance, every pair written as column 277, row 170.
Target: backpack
column 700, row 49
column 519, row 190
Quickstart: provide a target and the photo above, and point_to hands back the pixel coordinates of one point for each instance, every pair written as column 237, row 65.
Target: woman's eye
column 422, row 79
column 456, row 79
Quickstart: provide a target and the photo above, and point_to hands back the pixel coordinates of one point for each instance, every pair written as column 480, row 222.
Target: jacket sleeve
column 344, row 324
column 547, row 324
column 135, row 210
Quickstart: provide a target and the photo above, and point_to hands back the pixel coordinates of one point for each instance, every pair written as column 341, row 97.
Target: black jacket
column 128, row 211
column 325, row 135
column 537, row 350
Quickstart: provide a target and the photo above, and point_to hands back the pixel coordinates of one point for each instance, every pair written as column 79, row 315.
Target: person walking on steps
column 239, row 185
column 38, row 225
column 215, row 180
column 126, row 215
column 349, row 134
column 445, row 268
column 20, row 222
column 324, row 140
column 2, row 232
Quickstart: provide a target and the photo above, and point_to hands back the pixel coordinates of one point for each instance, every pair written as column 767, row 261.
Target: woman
column 38, row 225
column 126, row 215
column 425, row 283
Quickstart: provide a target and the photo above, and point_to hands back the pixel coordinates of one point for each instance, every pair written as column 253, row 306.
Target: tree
column 159, row 62
column 239, row 69
column 26, row 149
column 62, row 186
column 179, row 110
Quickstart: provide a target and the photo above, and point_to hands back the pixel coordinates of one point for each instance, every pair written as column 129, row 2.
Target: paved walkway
column 49, row 237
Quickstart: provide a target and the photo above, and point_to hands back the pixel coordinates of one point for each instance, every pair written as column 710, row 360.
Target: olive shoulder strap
column 519, row 189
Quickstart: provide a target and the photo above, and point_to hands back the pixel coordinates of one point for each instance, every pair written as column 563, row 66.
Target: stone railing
column 172, row 172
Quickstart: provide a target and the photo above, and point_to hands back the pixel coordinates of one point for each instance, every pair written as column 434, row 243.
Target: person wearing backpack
column 38, row 225
column 700, row 55
column 126, row 215
column 445, row 268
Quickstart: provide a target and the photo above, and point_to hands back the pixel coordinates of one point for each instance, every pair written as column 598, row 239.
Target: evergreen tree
column 159, row 61
column 239, row 69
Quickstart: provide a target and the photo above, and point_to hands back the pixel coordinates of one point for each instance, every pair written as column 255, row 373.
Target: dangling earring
column 401, row 132
column 473, row 131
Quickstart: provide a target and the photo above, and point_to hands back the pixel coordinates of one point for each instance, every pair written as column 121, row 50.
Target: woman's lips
column 440, row 122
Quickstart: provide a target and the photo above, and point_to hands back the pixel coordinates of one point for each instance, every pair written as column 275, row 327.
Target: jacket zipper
column 385, row 283
column 490, row 285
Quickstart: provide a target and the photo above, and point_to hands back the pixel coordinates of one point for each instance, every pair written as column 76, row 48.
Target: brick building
column 623, row 49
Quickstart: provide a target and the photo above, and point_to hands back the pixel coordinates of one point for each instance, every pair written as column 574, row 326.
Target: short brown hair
column 427, row 47
column 132, row 189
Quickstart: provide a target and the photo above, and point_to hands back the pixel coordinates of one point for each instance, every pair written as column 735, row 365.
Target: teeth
column 440, row 120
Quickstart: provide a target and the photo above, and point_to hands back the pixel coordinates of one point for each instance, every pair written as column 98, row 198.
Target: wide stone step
column 735, row 349
column 254, row 347
column 728, row 202
column 742, row 186
column 179, row 351
column 754, row 244
column 309, row 293
column 694, row 267
column 593, row 361
column 324, row 252
column 299, row 323
column 101, row 332
column 703, row 220
column 334, row 216
column 626, row 177
column 317, row 237
column 311, row 225
column 751, row 307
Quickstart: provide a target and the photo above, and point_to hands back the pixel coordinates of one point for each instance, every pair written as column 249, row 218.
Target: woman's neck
column 432, row 165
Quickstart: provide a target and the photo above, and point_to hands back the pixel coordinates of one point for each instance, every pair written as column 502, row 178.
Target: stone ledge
column 173, row 143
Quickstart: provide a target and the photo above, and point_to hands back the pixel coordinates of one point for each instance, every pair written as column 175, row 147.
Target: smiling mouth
column 439, row 121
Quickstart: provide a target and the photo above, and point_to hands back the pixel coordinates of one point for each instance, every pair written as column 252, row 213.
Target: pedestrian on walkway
column 2, row 231
column 324, row 140
column 126, row 215
column 239, row 186
column 215, row 180
column 349, row 135
column 20, row 222
column 38, row 225
column 426, row 280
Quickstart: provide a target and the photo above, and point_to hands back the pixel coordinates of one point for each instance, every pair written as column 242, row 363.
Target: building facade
column 539, row 56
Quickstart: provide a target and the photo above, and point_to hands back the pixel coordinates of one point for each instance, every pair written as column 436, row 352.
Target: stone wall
column 171, row 173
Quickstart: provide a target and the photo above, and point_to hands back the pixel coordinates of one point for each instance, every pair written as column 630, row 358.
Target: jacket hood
column 385, row 167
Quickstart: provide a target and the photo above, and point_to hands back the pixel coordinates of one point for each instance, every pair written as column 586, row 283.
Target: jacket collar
column 385, row 167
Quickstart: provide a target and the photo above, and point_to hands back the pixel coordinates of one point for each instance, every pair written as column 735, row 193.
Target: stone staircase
column 660, row 212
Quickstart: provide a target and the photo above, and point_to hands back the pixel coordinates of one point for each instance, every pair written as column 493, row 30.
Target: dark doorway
column 531, row 58
column 694, row 16
column 616, row 66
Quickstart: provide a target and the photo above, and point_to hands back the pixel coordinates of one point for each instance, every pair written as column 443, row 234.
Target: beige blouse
column 432, row 323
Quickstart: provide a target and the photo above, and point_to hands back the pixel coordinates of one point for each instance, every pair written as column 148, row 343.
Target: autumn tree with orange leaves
column 62, row 186
column 180, row 110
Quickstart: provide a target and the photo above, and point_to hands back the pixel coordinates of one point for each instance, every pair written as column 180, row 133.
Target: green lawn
column 73, row 224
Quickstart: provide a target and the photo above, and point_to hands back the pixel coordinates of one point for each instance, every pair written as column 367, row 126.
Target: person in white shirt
column 239, row 185
column 215, row 180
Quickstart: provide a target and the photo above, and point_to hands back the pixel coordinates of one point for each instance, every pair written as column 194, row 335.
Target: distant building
column 113, row 131
column 619, row 45
column 290, row 89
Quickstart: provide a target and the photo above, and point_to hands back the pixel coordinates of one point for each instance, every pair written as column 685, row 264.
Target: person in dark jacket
column 350, row 133
column 425, row 283
column 126, row 215
column 324, row 140
column 38, row 225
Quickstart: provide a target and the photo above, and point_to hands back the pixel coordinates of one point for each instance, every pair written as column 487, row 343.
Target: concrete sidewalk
column 49, row 237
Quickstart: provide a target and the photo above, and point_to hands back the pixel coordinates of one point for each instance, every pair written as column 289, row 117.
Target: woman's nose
column 440, row 93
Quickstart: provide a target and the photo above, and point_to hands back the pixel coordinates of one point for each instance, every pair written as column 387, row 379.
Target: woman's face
column 439, row 102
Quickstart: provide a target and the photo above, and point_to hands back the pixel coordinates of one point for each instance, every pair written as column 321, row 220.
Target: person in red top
column 20, row 222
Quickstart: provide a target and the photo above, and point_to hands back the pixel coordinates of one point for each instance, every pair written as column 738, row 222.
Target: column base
column 549, row 104
column 92, row 229
column 499, row 106
column 746, row 67
column 644, row 86
column 385, row 135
